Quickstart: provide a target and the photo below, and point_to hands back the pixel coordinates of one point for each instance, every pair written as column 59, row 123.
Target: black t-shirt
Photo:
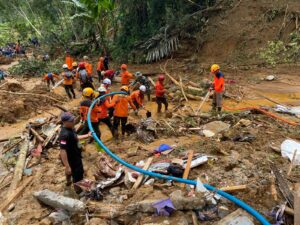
column 68, row 141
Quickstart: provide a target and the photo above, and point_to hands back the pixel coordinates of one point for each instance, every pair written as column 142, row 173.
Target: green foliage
column 279, row 52
column 33, row 67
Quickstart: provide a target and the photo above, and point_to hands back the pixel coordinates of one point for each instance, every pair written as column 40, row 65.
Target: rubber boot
column 219, row 112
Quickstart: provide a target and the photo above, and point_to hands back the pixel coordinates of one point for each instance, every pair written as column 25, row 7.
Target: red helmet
column 81, row 65
column 161, row 77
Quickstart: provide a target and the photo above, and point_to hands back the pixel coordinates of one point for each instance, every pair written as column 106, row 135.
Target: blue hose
column 233, row 199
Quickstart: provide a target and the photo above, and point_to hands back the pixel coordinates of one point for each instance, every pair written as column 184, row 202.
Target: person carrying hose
column 160, row 93
column 121, row 102
column 88, row 95
column 49, row 78
column 103, row 108
column 218, row 86
column 68, row 81
column 125, row 75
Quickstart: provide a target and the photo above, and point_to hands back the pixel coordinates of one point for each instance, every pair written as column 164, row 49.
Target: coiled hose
column 233, row 199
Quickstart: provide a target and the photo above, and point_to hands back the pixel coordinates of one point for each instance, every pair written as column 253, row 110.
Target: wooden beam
column 49, row 138
column 292, row 163
column 36, row 134
column 297, row 204
column 19, row 168
column 7, row 139
column 188, row 167
column 141, row 176
column 14, row 195
column 234, row 188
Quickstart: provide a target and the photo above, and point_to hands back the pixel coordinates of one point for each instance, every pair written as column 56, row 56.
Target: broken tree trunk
column 283, row 186
column 141, row 176
column 14, row 195
column 20, row 165
column 58, row 201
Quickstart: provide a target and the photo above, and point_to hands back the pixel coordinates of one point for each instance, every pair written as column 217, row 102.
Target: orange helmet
column 124, row 67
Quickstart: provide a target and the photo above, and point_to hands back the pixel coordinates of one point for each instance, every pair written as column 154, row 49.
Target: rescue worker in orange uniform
column 88, row 95
column 100, row 68
column 74, row 73
column 218, row 86
column 88, row 66
column 121, row 111
column 49, row 78
column 68, row 81
column 104, row 105
column 125, row 75
column 137, row 97
column 69, row 60
column 160, row 93
column 83, row 77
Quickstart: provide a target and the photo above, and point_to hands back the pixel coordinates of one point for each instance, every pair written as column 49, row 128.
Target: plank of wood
column 36, row 134
column 49, row 138
column 234, row 188
column 19, row 168
column 289, row 211
column 11, row 147
column 297, row 204
column 141, row 176
column 194, row 218
column 14, row 195
column 283, row 186
column 188, row 167
column 292, row 163
column 7, row 139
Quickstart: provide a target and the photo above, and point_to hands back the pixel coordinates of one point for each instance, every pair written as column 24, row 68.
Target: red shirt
column 109, row 74
column 159, row 89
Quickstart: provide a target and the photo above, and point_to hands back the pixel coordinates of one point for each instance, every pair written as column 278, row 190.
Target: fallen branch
column 11, row 147
column 7, row 139
column 234, row 188
column 32, row 94
column 61, row 108
column 202, row 103
column 36, row 134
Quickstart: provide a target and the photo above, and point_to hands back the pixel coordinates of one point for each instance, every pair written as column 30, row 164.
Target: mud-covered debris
column 244, row 138
column 164, row 207
column 213, row 128
column 60, row 216
column 58, row 201
column 96, row 221
column 237, row 217
column 146, row 130
column 182, row 202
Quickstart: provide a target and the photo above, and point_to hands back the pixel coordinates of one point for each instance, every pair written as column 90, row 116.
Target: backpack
column 83, row 76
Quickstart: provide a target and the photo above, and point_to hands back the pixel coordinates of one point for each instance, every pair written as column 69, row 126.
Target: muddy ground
column 235, row 163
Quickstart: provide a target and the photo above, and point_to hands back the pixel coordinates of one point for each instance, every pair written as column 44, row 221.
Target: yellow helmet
column 214, row 68
column 87, row 92
column 96, row 94
column 124, row 88
column 74, row 64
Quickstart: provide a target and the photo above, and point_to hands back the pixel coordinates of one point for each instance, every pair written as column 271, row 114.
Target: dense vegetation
column 128, row 29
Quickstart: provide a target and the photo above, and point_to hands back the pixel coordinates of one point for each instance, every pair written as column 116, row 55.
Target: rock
column 115, row 190
column 238, row 217
column 45, row 221
column 244, row 123
column 96, row 221
column 59, row 216
column 58, row 201
column 11, row 207
column 143, row 206
column 223, row 211
column 215, row 127
column 270, row 78
column 181, row 202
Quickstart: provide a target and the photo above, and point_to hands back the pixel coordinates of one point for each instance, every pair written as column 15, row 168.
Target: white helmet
column 85, row 57
column 65, row 66
column 107, row 81
column 143, row 88
column 138, row 74
column 102, row 89
column 102, row 73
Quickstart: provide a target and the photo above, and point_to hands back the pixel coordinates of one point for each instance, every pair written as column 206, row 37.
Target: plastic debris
column 288, row 147
column 197, row 161
column 162, row 148
column 164, row 207
column 270, row 78
column 289, row 110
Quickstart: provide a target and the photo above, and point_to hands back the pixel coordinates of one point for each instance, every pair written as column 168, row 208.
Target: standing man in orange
column 121, row 111
column 125, row 75
column 69, row 60
column 100, row 68
column 88, row 66
column 68, row 81
column 218, row 86
column 160, row 93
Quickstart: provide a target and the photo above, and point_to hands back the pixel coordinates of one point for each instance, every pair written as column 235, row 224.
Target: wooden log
column 283, row 186
column 193, row 84
column 202, row 103
column 273, row 189
column 188, row 167
column 61, row 108
column 7, row 139
column 15, row 194
column 141, row 176
column 182, row 91
column 19, row 168
column 297, row 204
column 194, row 97
column 234, row 188
column 36, row 134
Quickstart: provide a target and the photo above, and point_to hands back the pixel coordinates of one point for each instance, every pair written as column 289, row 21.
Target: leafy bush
column 279, row 52
column 34, row 67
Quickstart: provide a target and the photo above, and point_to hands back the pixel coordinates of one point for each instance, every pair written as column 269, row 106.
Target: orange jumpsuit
column 137, row 98
column 126, row 77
